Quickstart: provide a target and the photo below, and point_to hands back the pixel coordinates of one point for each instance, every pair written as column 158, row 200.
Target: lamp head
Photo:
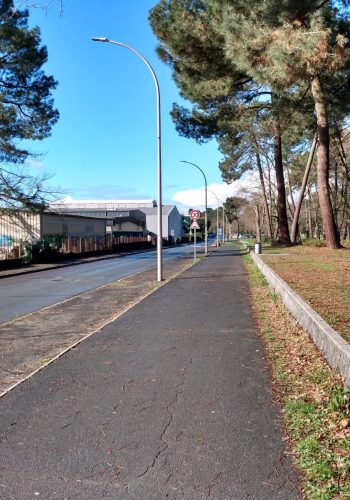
column 99, row 39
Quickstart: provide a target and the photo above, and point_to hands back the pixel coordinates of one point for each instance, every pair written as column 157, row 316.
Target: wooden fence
column 103, row 243
column 56, row 246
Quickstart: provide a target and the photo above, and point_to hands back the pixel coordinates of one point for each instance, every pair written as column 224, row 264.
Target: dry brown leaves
column 321, row 277
column 301, row 375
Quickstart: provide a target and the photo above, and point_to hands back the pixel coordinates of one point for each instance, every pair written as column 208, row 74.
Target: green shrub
column 313, row 242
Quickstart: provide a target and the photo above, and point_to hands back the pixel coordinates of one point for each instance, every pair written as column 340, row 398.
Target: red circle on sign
column 195, row 214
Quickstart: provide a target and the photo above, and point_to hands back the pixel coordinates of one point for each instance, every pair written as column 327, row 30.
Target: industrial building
column 121, row 222
column 18, row 228
column 87, row 226
column 29, row 226
column 128, row 213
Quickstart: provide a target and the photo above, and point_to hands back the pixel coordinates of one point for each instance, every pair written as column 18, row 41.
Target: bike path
column 171, row 401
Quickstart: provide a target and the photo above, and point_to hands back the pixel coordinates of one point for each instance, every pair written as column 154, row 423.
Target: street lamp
column 217, row 220
column 206, row 204
column 223, row 223
column 159, row 155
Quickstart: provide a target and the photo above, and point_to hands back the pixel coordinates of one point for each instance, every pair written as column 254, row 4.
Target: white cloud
column 35, row 164
column 195, row 198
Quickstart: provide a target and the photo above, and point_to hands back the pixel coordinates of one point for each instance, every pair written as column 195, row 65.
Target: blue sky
column 104, row 145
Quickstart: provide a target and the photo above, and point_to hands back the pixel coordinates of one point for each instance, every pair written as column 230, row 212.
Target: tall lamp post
column 217, row 219
column 206, row 204
column 159, row 155
column 223, row 223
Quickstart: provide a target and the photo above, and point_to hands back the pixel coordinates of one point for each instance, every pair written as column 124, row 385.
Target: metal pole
column 159, row 155
column 195, row 245
column 217, row 226
column 206, row 204
column 217, row 217
column 206, row 218
column 223, row 225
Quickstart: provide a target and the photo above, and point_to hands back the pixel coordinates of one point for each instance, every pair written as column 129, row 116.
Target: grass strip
column 316, row 405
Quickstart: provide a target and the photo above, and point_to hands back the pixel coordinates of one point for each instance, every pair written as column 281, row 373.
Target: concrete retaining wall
column 334, row 348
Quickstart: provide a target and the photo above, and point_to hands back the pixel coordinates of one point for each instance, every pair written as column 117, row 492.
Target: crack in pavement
column 215, row 482
column 164, row 446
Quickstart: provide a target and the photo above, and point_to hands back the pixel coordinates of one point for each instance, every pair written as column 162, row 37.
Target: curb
column 333, row 347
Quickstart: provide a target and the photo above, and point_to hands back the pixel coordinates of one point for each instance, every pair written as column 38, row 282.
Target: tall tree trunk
column 294, row 231
column 270, row 194
column 342, row 154
column 263, row 190
column 281, row 189
column 344, row 216
column 336, row 202
column 315, row 207
column 290, row 194
column 306, row 227
column 290, row 210
column 330, row 228
column 258, row 223
column 346, row 183
column 309, row 214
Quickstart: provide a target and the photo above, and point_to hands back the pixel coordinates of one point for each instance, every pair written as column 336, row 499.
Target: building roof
column 102, row 204
column 28, row 212
column 166, row 210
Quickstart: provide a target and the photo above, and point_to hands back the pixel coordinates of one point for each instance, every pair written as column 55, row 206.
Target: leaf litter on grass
column 321, row 277
column 314, row 401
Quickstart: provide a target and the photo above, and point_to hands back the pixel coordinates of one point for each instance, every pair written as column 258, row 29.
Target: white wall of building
column 172, row 224
column 175, row 224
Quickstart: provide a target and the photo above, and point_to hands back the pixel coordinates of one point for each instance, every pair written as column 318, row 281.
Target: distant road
column 21, row 295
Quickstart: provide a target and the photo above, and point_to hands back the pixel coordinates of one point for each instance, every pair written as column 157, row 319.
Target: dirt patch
column 321, row 277
column 33, row 341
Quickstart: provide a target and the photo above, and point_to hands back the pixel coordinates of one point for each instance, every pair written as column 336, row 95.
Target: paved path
column 170, row 401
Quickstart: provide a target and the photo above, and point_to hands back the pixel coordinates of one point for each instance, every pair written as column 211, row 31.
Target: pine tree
column 284, row 43
column 224, row 96
column 221, row 51
column 26, row 104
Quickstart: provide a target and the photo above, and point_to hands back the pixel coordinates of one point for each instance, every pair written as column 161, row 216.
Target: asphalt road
column 172, row 400
column 20, row 295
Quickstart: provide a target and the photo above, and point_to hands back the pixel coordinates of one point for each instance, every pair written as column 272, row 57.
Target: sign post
column 195, row 215
column 195, row 244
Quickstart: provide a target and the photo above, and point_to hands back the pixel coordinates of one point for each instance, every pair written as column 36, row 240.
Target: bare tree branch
column 37, row 4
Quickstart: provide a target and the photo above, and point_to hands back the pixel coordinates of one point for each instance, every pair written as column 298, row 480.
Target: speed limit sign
column 195, row 214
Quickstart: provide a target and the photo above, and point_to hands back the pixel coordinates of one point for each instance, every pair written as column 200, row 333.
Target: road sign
column 195, row 214
column 194, row 225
